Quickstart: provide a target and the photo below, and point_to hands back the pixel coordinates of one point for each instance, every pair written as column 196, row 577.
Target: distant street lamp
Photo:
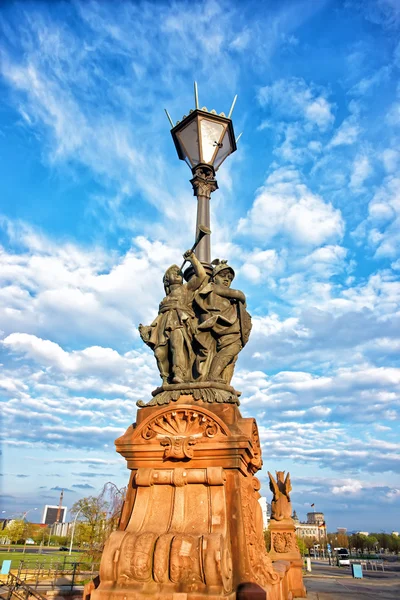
column 204, row 139
column 73, row 531
column 27, row 512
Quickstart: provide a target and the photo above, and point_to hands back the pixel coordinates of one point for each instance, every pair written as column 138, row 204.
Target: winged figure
column 281, row 507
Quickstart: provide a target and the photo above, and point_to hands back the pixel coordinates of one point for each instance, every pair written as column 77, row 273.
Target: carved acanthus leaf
column 256, row 461
column 260, row 561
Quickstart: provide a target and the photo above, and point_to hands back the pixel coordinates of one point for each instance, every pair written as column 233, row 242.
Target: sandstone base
column 284, row 547
column 191, row 527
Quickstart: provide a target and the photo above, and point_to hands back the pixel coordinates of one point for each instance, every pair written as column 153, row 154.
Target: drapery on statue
column 224, row 324
column 170, row 335
column 200, row 328
column 281, row 507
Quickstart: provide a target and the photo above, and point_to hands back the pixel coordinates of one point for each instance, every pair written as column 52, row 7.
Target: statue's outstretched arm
column 195, row 282
column 226, row 292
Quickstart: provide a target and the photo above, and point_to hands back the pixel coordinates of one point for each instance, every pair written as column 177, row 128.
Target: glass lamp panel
column 224, row 151
column 211, row 133
column 189, row 141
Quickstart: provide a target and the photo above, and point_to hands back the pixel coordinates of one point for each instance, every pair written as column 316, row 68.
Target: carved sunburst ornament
column 179, row 430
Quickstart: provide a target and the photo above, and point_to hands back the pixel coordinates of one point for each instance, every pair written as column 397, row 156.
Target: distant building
column 315, row 518
column 342, row 530
column 314, row 527
column 266, row 511
column 50, row 514
column 396, row 533
column 61, row 529
column 362, row 533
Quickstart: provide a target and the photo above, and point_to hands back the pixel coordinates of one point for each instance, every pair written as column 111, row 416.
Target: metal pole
column 73, row 576
column 203, row 250
column 73, row 532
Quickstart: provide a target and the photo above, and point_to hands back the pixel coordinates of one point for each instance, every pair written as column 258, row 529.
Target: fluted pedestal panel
column 191, row 527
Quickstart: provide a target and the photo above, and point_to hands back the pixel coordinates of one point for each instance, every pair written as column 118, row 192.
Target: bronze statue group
column 201, row 326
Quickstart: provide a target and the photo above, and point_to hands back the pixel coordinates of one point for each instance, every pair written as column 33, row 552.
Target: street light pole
column 203, row 139
column 23, row 518
column 73, row 531
column 204, row 183
column 27, row 512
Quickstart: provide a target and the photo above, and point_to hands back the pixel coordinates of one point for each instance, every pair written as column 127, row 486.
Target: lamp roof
column 199, row 115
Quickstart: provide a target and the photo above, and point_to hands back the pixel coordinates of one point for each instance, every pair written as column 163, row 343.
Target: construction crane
column 59, row 507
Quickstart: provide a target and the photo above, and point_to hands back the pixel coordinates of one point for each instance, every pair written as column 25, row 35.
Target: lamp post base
column 191, row 527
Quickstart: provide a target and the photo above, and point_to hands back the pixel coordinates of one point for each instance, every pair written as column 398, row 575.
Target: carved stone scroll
column 260, row 561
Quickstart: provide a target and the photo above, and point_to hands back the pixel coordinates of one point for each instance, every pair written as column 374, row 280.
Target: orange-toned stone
column 191, row 526
column 284, row 548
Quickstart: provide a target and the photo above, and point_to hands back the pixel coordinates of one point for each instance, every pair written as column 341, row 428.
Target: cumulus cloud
column 362, row 169
column 381, row 229
column 49, row 288
column 347, row 134
column 262, row 264
column 284, row 206
column 293, row 98
column 390, row 159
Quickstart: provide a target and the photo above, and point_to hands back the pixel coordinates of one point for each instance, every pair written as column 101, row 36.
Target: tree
column 359, row 542
column 93, row 512
column 16, row 531
column 342, row 540
column 98, row 517
column 302, row 546
column 115, row 498
column 39, row 533
column 267, row 539
column 371, row 542
column 395, row 543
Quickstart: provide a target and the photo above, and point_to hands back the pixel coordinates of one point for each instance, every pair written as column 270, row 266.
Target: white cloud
column 362, row 169
column 393, row 114
column 49, row 288
column 285, row 206
column 382, row 226
column 367, row 84
column 260, row 265
column 348, row 486
column 293, row 98
column 347, row 134
column 390, row 159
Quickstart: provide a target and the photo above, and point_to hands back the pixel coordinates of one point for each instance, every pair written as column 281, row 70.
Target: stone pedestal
column 191, row 527
column 284, row 548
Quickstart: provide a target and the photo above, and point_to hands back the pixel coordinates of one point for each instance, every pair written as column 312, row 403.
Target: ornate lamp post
column 204, row 139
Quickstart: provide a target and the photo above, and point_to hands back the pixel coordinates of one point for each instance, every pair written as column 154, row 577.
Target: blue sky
column 94, row 205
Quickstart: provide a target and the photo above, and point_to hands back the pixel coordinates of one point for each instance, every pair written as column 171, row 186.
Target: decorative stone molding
column 256, row 461
column 260, row 562
column 179, row 476
column 179, row 430
column 209, row 392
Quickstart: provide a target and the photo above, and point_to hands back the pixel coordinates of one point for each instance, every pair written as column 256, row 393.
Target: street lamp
column 27, row 512
column 204, row 139
column 73, row 531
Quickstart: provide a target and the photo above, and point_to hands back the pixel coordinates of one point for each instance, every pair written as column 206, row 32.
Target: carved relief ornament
column 178, row 431
column 260, row 561
column 284, row 542
column 256, row 461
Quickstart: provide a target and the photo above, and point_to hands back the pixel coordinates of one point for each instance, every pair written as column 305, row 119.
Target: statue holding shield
column 224, row 324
